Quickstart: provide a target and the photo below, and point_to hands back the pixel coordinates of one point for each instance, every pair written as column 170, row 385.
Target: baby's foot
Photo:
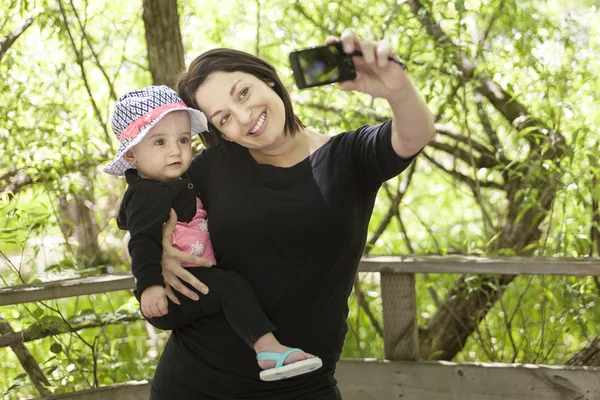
column 269, row 343
column 290, row 359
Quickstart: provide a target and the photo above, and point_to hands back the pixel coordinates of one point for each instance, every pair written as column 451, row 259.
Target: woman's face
column 245, row 109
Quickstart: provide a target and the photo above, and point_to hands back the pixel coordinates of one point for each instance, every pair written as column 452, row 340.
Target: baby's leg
column 228, row 293
column 247, row 318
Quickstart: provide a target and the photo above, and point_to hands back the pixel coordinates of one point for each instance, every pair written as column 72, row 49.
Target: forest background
column 513, row 171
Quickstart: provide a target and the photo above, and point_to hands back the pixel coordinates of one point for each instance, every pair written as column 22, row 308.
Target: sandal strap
column 279, row 358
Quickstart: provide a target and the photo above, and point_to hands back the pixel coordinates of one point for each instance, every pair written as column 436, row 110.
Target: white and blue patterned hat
column 136, row 112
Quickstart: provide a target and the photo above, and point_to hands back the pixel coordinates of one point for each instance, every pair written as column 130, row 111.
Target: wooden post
column 400, row 334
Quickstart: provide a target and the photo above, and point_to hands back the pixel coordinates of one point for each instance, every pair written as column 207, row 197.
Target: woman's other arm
column 412, row 126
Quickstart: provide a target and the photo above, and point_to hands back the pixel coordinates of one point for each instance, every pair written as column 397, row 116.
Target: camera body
column 321, row 65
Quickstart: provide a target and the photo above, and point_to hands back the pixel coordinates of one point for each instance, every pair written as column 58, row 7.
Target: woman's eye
column 243, row 93
column 224, row 119
column 160, row 142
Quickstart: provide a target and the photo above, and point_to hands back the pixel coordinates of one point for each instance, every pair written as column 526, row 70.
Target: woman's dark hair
column 229, row 60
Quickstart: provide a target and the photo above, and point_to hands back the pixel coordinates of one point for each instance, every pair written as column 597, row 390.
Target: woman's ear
column 129, row 157
column 271, row 83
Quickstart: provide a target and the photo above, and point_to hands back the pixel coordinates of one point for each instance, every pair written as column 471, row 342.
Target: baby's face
column 165, row 153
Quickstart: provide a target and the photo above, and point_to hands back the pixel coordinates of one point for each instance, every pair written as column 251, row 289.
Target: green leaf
column 34, row 330
column 20, row 376
column 56, row 348
column 51, row 369
column 37, row 313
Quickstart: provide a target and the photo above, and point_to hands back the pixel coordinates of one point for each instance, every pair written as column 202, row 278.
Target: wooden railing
column 400, row 376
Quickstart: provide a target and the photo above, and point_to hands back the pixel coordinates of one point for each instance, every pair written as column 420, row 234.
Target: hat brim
column 118, row 165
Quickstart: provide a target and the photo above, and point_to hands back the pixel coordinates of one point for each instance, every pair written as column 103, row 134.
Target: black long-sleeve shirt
column 296, row 235
column 144, row 209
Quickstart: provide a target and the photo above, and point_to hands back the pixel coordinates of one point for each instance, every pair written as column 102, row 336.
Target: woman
column 288, row 210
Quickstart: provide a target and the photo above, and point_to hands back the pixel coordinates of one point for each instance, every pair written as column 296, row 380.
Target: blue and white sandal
column 286, row 371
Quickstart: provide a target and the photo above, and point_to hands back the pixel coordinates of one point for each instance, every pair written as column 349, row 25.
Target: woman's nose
column 244, row 115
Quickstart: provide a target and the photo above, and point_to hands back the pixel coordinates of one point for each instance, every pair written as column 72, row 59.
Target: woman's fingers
column 384, row 52
column 186, row 276
column 367, row 48
column 172, row 257
column 350, row 41
column 170, row 294
column 373, row 51
column 173, row 280
column 195, row 260
column 175, row 277
column 169, row 227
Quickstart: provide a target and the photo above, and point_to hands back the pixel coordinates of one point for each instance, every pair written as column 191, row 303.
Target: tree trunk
column 163, row 38
column 78, row 222
column 588, row 357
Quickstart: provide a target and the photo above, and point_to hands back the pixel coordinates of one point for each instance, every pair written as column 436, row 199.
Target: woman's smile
column 259, row 126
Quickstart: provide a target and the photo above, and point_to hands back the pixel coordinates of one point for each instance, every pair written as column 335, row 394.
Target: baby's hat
column 136, row 112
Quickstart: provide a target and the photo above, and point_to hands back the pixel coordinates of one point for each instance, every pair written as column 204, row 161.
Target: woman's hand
column 378, row 76
column 375, row 73
column 172, row 270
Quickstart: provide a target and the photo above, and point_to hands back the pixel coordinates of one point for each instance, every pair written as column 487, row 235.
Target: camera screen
column 320, row 65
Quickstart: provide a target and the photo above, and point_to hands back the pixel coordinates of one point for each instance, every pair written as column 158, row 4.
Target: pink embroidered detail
column 132, row 130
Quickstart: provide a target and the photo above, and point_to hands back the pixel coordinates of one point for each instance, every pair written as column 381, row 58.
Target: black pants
column 228, row 293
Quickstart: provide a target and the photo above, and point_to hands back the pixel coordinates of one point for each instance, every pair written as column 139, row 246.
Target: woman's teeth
column 259, row 124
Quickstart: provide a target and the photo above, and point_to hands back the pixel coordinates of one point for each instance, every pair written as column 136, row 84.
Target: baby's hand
column 154, row 302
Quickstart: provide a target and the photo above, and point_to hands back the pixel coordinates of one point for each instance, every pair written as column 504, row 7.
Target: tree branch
column 85, row 36
column 464, row 155
column 360, row 296
column 29, row 364
column 463, row 178
column 11, row 38
column 15, row 180
column 506, row 104
column 392, row 208
column 29, row 335
column 487, row 126
column 79, row 59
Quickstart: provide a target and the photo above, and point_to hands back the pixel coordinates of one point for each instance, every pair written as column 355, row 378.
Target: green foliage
column 60, row 78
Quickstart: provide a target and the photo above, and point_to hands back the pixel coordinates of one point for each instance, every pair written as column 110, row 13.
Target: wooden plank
column 124, row 391
column 400, row 329
column 65, row 288
column 391, row 264
column 377, row 380
column 483, row 265
column 383, row 380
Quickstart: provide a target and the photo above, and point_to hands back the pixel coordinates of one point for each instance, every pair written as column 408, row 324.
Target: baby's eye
column 160, row 142
column 224, row 119
column 243, row 93
column 184, row 140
